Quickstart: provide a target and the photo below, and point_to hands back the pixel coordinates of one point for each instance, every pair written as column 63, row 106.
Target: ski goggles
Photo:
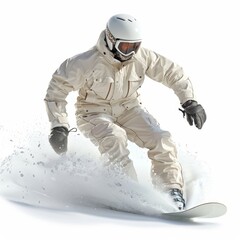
column 126, row 48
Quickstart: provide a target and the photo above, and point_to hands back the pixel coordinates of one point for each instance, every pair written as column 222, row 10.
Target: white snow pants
column 111, row 135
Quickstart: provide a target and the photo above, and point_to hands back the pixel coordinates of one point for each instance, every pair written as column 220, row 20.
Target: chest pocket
column 102, row 87
column 134, row 83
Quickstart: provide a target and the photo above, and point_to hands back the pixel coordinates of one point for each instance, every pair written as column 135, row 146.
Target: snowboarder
column 108, row 108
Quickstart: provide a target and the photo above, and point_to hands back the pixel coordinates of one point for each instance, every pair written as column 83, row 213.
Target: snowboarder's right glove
column 195, row 113
column 59, row 139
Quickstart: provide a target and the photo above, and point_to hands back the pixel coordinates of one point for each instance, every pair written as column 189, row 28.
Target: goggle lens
column 127, row 48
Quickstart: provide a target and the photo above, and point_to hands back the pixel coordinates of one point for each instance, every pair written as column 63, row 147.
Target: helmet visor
column 127, row 48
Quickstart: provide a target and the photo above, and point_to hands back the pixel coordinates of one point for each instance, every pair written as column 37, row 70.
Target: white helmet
column 123, row 35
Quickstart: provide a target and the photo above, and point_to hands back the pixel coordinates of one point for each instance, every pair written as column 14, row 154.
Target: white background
column 202, row 36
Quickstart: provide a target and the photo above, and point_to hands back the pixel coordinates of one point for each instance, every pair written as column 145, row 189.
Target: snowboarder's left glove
column 59, row 139
column 195, row 113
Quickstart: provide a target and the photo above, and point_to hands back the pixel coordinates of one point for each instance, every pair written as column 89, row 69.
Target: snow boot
column 177, row 197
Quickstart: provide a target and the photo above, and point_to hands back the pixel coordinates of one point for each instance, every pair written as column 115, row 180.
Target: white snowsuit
column 108, row 109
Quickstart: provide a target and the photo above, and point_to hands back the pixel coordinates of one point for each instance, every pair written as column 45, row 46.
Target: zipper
column 128, row 88
column 109, row 91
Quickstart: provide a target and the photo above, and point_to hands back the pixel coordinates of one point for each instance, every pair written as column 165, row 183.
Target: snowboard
column 204, row 210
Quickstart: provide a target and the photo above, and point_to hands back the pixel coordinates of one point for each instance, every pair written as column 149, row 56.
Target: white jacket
column 108, row 85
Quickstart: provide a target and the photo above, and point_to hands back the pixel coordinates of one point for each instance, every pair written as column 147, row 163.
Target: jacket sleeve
column 65, row 79
column 171, row 75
